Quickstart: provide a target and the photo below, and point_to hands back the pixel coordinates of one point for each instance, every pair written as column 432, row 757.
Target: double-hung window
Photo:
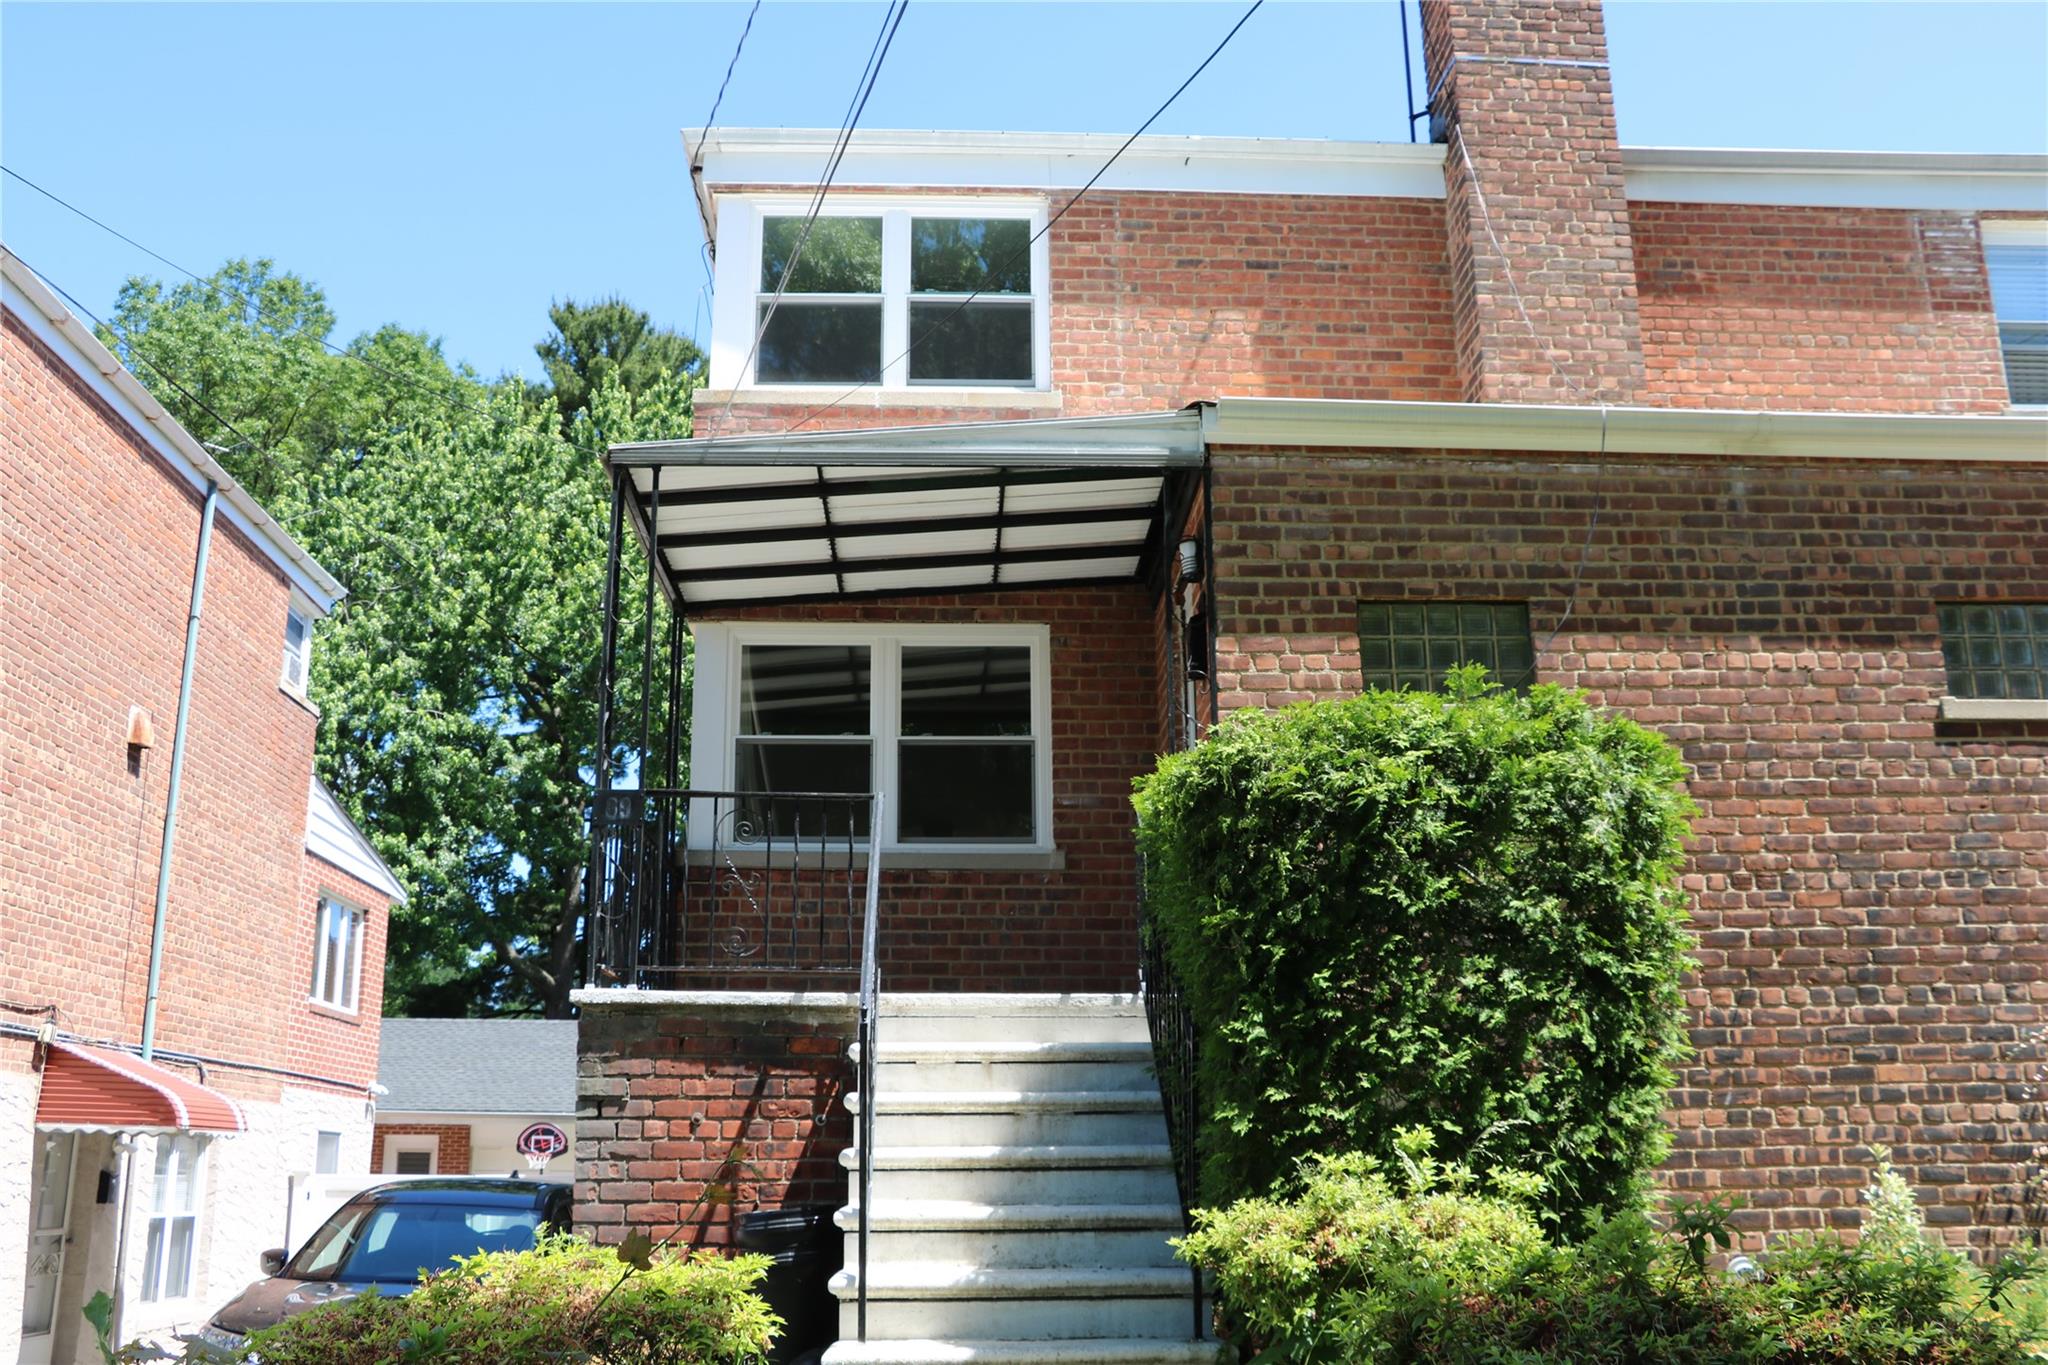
column 337, row 955
column 941, row 293
column 2016, row 255
column 298, row 649
column 168, row 1251
column 949, row 723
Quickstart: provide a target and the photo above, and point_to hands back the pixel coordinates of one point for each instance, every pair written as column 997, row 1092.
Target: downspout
column 163, row 893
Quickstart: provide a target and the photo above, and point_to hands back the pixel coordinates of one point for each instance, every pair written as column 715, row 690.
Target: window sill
column 302, row 699
column 815, row 395
column 1991, row 708
column 327, row 1011
column 913, row 859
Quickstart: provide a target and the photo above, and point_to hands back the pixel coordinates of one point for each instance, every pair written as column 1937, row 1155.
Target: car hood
column 269, row 1302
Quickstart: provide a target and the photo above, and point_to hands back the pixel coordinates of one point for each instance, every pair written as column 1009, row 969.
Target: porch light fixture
column 1191, row 561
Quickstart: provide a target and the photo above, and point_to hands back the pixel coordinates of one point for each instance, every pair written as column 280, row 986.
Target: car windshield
column 392, row 1243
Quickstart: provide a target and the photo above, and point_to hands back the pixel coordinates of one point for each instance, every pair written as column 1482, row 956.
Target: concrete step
column 948, row 1301
column 1052, row 1018
column 1084, row 1351
column 1037, row 1117
column 1013, row 1248
column 947, row 1214
column 1019, row 1174
column 960, row 1065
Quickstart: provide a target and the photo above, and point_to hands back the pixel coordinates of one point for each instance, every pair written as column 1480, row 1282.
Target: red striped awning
column 100, row 1089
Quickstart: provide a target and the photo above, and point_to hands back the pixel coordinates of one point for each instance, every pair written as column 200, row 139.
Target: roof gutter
column 2020, row 438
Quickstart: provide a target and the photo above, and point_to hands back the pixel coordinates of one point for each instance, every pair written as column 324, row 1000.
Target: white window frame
column 330, row 1139
column 736, row 291
column 394, row 1143
column 319, row 993
column 154, row 1267
column 296, row 670
column 715, row 718
column 2022, row 233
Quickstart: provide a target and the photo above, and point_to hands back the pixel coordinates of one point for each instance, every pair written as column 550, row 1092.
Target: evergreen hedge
column 1454, row 911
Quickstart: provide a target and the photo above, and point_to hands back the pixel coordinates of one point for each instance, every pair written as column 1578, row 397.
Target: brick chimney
column 1520, row 91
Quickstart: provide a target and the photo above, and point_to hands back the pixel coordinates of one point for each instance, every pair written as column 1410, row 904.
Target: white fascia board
column 1056, row 161
column 1375, row 425
column 46, row 317
column 1898, row 180
column 1144, row 439
column 2016, row 232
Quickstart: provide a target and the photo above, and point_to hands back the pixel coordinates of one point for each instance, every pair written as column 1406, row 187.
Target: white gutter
column 46, row 316
column 1310, row 423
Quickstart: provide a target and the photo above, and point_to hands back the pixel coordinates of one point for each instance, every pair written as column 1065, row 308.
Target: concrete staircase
column 1023, row 1191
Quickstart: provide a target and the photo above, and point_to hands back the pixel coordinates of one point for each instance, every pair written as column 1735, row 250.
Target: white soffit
column 1370, row 424
column 334, row 838
column 822, row 515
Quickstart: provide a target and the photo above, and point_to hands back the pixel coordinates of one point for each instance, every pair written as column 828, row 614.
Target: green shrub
column 553, row 1303
column 1424, row 1269
column 1453, row 911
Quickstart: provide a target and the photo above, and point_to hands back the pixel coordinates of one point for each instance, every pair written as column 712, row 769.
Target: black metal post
column 647, row 625
column 607, row 671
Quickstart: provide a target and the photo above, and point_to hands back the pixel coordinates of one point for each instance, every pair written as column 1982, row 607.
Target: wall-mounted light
column 141, row 734
column 1191, row 561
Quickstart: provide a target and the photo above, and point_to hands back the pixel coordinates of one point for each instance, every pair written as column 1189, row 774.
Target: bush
column 553, row 1303
column 1452, row 911
column 1426, row 1269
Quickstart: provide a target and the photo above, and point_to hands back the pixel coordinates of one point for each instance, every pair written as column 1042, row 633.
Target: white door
column 49, row 1213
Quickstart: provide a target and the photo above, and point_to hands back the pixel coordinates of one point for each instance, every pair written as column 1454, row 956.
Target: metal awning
column 901, row 510
column 97, row 1089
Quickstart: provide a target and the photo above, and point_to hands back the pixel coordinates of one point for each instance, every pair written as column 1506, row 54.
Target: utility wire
column 737, row 47
column 891, row 20
column 1020, row 252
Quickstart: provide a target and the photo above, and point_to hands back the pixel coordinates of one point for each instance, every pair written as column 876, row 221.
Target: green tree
column 594, row 341
column 457, row 683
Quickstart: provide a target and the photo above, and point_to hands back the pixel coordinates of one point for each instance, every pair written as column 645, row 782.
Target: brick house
column 161, row 1180
column 981, row 517
column 460, row 1096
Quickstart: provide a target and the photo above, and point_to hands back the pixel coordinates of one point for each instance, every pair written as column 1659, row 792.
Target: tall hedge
column 1456, row 911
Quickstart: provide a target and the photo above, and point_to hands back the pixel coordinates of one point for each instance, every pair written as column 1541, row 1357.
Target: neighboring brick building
column 1008, row 493
column 266, row 1021
column 460, row 1096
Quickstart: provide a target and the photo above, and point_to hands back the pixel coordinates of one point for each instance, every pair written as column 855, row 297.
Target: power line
column 892, row 19
column 737, row 47
column 1032, row 241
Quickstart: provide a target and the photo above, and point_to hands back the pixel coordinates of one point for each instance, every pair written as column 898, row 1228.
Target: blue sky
column 453, row 167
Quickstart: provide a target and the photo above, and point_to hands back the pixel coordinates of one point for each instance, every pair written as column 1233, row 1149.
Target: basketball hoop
column 541, row 1143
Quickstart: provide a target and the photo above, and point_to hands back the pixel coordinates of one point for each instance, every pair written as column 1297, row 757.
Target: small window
column 412, row 1154
column 827, row 327
column 168, row 1253
column 326, row 1153
column 1416, row 644
column 2016, row 256
column 298, row 650
column 414, row 1163
column 337, row 955
column 1995, row 650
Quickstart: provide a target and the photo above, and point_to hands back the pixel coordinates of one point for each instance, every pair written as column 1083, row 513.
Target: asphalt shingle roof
column 478, row 1066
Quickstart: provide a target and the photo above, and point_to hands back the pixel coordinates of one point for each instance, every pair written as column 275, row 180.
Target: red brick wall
column 1870, row 885
column 97, row 539
column 742, row 1105
column 451, row 1158
column 1868, row 310
column 1074, row 928
column 326, row 1041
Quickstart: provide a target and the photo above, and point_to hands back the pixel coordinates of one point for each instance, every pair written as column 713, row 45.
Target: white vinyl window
column 950, row 723
column 298, row 649
column 947, row 292
column 326, row 1153
column 2016, row 255
column 337, row 955
column 169, row 1251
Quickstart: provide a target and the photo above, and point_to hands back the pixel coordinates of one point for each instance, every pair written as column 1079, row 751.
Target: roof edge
column 391, row 886
column 1150, row 438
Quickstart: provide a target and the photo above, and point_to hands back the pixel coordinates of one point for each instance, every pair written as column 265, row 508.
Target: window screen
column 1995, row 649
column 1415, row 644
column 2019, row 296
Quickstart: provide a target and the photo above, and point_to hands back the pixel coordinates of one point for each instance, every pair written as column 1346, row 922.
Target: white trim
column 1247, row 165
column 737, row 293
column 302, row 608
column 52, row 323
column 714, row 718
column 394, row 1143
column 2020, row 438
column 359, row 930
column 1992, row 708
column 339, row 842
column 2015, row 231
column 197, row 1210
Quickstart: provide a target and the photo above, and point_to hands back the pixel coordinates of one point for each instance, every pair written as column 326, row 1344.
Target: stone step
column 961, row 1065
column 1084, row 1351
column 941, row 1214
column 1038, row 1117
column 1080, row 1018
column 947, row 1301
column 1019, row 1174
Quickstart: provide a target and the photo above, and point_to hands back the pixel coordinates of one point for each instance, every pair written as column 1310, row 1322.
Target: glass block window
column 1995, row 649
column 1415, row 644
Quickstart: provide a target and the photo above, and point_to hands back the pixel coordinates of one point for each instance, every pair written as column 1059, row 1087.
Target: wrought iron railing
column 690, row 886
column 865, row 1031
column 1175, row 1054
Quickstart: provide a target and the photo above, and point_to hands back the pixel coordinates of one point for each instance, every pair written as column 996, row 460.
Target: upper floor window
column 298, row 649
column 337, row 955
column 940, row 293
column 2016, row 255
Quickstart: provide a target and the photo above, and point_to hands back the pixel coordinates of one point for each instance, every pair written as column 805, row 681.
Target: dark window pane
column 840, row 256
column 967, row 691
column 804, row 690
column 1995, row 649
column 796, row 766
column 961, row 255
column 990, row 342
column 820, row 343
column 969, row 791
